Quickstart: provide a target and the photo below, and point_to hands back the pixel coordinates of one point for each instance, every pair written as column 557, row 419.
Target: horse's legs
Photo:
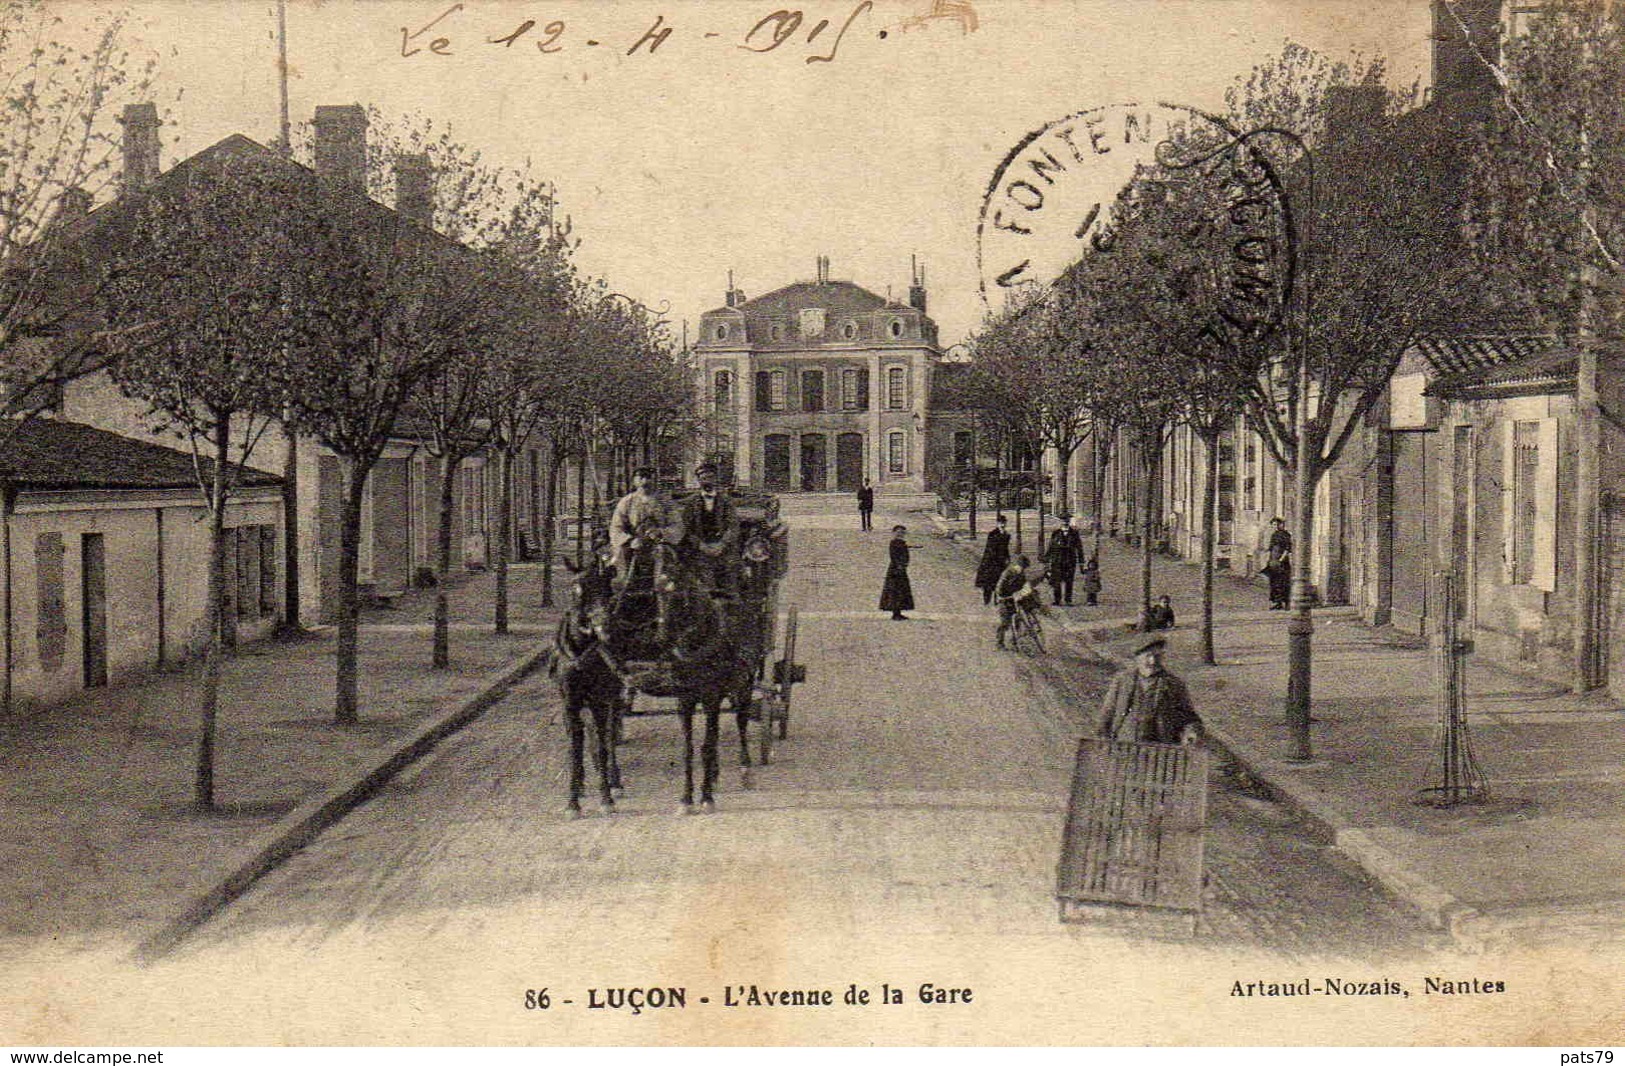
column 686, row 710
column 572, row 720
column 708, row 751
column 741, row 701
column 603, row 751
column 612, row 725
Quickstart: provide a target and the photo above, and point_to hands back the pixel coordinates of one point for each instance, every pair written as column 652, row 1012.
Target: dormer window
column 721, row 332
column 850, row 330
column 775, row 332
column 896, row 327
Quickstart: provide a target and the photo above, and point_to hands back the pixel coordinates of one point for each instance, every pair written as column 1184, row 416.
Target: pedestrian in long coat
column 1278, row 568
column 896, row 595
column 1061, row 562
column 995, row 557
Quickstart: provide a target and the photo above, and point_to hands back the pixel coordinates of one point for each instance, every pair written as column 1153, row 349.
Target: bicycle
column 1026, row 631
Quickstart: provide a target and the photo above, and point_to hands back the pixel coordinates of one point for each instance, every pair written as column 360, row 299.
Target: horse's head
column 590, row 593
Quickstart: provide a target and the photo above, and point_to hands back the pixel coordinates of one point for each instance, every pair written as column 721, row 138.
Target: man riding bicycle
column 1013, row 586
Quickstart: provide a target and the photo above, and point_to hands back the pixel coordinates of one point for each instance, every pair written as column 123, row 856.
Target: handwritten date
column 787, row 30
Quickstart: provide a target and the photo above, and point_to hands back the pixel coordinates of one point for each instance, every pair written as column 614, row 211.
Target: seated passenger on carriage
column 710, row 543
column 640, row 522
column 1013, row 588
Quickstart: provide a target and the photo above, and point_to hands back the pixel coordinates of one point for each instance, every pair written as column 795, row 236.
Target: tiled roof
column 838, row 297
column 45, row 453
column 1541, row 374
column 1463, row 352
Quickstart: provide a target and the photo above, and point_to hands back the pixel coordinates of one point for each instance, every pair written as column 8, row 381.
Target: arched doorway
column 849, row 462
column 776, row 462
column 814, row 463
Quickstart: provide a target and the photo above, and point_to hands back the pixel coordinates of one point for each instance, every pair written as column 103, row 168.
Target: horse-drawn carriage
column 677, row 634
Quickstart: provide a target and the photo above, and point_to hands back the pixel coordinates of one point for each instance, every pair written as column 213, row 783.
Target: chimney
column 140, row 122
column 823, row 269
column 414, row 188
column 1354, row 109
column 734, row 297
column 916, row 285
column 341, row 145
column 1466, row 40
column 72, row 205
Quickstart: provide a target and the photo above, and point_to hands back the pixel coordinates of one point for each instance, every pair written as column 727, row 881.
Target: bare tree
column 1548, row 216
column 1378, row 262
column 62, row 75
column 392, row 302
column 1212, row 314
column 216, row 249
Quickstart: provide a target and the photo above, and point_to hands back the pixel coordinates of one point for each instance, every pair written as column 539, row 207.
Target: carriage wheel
column 789, row 673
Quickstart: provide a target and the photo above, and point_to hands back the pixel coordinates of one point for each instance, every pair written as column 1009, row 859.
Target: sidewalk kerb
column 306, row 821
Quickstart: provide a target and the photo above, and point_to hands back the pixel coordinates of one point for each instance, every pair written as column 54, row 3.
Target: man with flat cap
column 1145, row 702
column 711, row 533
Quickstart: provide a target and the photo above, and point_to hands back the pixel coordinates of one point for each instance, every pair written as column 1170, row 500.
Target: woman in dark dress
column 896, row 595
column 1279, row 567
column 995, row 557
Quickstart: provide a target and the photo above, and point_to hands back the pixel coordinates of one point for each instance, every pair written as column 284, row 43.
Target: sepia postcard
column 812, row 522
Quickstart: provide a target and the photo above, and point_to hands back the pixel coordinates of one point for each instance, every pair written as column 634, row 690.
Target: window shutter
column 863, row 389
column 764, row 390
column 1509, row 477
column 1543, row 566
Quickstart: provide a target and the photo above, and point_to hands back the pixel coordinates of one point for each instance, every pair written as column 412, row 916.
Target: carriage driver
column 640, row 518
column 711, row 533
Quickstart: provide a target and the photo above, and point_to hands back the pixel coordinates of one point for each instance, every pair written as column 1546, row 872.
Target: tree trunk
column 533, row 486
column 209, row 697
column 346, row 652
column 1063, row 483
column 290, row 535
column 550, row 507
column 1150, row 458
column 450, row 464
column 581, row 507
column 1116, row 501
column 1210, row 543
column 504, row 533
column 1038, row 498
column 1097, row 489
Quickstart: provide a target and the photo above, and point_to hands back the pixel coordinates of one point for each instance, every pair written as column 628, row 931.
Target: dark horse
column 663, row 634
column 586, row 681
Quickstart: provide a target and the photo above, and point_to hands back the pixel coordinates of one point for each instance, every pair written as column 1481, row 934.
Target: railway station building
column 818, row 385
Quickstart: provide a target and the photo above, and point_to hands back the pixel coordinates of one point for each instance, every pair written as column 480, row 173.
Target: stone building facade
column 819, row 385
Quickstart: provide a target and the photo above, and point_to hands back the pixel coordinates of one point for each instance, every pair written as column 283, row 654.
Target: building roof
column 1459, row 353
column 1544, row 373
column 837, row 297
column 45, row 453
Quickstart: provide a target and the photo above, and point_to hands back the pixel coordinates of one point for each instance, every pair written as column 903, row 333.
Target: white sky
column 702, row 157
